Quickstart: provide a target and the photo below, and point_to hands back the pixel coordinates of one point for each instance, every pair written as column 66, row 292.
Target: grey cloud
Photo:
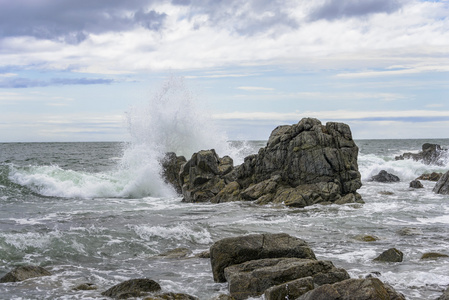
column 336, row 9
column 72, row 21
column 245, row 18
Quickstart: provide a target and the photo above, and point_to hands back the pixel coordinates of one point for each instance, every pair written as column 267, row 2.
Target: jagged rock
column 202, row 177
column 236, row 250
column 252, row 278
column 416, row 184
column 390, row 255
column 290, row 290
column 433, row 255
column 132, row 288
column 171, row 296
column 366, row 289
column 302, row 164
column 24, row 272
column 434, row 176
column 442, row 186
column 431, row 154
column 384, row 176
column 171, row 164
column 445, row 295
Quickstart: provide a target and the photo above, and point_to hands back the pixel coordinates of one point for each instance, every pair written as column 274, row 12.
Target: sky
column 71, row 70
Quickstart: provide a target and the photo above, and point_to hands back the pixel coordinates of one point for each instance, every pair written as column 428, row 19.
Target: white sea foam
column 171, row 121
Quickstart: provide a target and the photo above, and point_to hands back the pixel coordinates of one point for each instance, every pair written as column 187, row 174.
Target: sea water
column 100, row 213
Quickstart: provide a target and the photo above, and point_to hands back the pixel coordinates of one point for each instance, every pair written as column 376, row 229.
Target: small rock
column 407, row 231
column 434, row 176
column 171, row 296
column 132, row 288
column 367, row 238
column 224, row 297
column 204, row 254
column 176, row 253
column 85, row 287
column 390, row 255
column 384, row 176
column 416, row 184
column 24, row 272
column 433, row 255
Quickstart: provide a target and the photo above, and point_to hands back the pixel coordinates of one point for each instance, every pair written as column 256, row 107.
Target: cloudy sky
column 70, row 70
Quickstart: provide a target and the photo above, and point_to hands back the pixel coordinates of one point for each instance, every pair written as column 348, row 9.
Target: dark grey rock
column 290, row 290
column 24, row 272
column 384, row 176
column 445, row 295
column 416, row 184
column 433, row 255
column 171, row 164
column 390, row 255
column 442, row 186
column 132, row 288
column 351, row 289
column 302, row 164
column 231, row 251
column 252, row 278
column 431, row 154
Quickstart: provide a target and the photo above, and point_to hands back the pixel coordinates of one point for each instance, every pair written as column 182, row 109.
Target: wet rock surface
column 431, row 154
column 384, row 176
column 442, row 185
column 390, row 255
column 251, row 272
column 302, row 164
column 132, row 288
column 24, row 272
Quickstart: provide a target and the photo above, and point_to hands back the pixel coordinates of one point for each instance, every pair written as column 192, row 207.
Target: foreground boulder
column 431, row 154
column 132, row 288
column 302, row 164
column 252, row 278
column 384, row 176
column 442, row 185
column 24, row 272
column 232, row 251
column 366, row 289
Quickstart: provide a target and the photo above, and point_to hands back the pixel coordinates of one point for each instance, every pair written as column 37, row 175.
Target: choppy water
column 99, row 213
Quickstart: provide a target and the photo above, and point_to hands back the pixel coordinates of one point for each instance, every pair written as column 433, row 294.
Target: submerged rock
column 434, row 176
column 132, row 288
column 85, row 287
column 366, row 289
column 302, row 164
column 24, row 272
column 384, row 176
column 442, row 186
column 416, row 184
column 433, row 255
column 445, row 295
column 431, row 154
column 236, row 250
column 390, row 255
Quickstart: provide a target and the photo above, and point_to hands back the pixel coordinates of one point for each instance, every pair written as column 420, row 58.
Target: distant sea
column 99, row 213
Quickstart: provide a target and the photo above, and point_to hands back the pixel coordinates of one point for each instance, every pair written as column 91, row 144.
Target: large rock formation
column 237, row 250
column 431, row 154
column 302, row 164
column 442, row 185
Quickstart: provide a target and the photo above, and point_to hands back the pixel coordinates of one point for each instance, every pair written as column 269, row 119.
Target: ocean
column 99, row 213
